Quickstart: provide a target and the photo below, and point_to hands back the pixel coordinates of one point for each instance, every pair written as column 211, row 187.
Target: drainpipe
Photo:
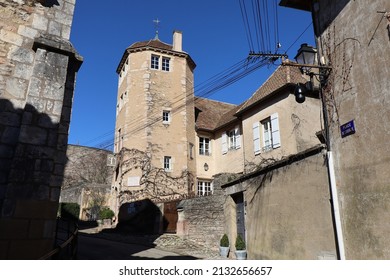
column 335, row 206
column 332, row 185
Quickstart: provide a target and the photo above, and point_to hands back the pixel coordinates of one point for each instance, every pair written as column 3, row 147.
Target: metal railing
column 65, row 241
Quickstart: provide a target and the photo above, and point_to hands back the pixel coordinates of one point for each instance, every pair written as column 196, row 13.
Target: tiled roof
column 283, row 76
column 216, row 114
column 151, row 43
column 155, row 44
column 229, row 117
column 211, row 112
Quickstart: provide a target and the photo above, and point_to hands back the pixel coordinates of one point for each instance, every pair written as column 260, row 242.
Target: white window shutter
column 256, row 138
column 275, row 131
column 224, row 143
column 238, row 138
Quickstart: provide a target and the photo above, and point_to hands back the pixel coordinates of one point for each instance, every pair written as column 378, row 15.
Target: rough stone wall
column 87, row 165
column 37, row 77
column 287, row 209
column 202, row 219
column 353, row 37
column 87, row 178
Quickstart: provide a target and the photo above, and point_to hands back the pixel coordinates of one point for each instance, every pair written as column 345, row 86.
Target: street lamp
column 306, row 60
column 306, row 56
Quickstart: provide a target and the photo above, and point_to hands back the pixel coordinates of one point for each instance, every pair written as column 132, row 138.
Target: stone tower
column 154, row 133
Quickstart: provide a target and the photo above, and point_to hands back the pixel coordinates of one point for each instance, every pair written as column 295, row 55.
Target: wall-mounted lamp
column 307, row 61
column 206, row 167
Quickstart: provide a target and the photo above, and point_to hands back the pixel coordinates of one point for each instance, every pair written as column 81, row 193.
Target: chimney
column 177, row 41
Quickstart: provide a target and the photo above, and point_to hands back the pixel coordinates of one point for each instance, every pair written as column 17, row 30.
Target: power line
column 205, row 89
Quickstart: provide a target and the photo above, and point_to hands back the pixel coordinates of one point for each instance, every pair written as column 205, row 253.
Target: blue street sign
column 347, row 129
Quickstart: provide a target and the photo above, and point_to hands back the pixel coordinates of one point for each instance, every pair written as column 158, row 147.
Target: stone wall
column 87, row 179
column 202, row 219
column 37, row 77
column 88, row 165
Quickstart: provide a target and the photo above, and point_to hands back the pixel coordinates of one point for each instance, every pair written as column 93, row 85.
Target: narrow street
column 93, row 248
column 95, row 243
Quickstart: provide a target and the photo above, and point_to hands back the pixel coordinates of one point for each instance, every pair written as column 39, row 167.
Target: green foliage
column 240, row 243
column 106, row 213
column 69, row 210
column 224, row 241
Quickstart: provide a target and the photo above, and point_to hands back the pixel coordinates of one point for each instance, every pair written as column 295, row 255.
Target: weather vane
column 157, row 25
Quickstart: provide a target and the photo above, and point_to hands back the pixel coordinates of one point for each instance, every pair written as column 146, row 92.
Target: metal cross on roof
column 157, row 25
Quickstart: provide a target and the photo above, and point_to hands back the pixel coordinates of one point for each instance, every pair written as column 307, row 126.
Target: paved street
column 92, row 248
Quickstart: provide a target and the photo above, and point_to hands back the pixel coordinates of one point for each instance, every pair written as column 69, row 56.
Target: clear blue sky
column 213, row 34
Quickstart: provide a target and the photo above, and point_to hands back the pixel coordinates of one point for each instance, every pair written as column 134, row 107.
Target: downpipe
column 336, row 209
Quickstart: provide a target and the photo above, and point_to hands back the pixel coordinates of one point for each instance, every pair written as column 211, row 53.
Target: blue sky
column 213, row 34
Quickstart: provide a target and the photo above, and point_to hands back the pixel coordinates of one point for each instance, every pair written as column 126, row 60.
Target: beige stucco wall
column 354, row 39
column 288, row 214
column 233, row 160
column 202, row 159
column 298, row 124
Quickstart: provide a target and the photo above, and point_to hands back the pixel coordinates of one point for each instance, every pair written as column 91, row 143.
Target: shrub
column 106, row 213
column 240, row 243
column 224, row 241
column 69, row 210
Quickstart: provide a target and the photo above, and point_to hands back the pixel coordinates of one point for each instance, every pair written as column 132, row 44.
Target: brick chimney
column 177, row 41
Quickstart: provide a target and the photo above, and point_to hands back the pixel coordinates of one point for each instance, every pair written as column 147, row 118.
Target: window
column 231, row 140
column 167, row 163
column 205, row 188
column 165, row 63
column 204, row 146
column 166, row 116
column 267, row 136
column 266, row 132
column 155, row 62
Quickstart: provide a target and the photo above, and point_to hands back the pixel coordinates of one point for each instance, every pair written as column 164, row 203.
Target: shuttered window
column 275, row 131
column 256, row 138
column 224, row 143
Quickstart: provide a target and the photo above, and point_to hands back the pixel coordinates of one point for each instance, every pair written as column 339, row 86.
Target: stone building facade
column 38, row 66
column 353, row 38
column 155, row 122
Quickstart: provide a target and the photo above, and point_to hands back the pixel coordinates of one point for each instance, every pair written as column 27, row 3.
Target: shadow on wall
column 141, row 217
column 32, row 160
column 29, row 148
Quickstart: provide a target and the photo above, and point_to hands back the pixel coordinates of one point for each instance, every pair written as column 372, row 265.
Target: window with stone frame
column 166, row 116
column 165, row 64
column 155, row 61
column 168, row 163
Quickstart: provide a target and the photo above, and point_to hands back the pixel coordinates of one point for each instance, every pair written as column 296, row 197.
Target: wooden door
column 170, row 216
